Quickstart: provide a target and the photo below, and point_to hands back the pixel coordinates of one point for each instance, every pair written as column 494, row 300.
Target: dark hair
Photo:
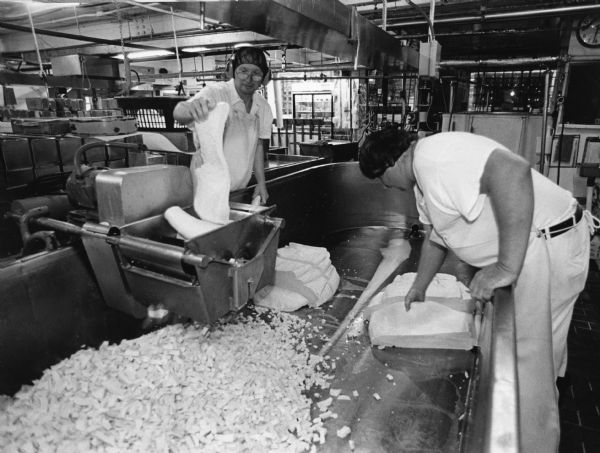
column 381, row 149
column 250, row 55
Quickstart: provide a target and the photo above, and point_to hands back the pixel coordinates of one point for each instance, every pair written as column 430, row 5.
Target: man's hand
column 197, row 110
column 200, row 108
column 261, row 190
column 413, row 295
column 488, row 279
column 465, row 273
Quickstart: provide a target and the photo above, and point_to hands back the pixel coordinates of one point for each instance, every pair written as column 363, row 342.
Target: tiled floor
column 580, row 389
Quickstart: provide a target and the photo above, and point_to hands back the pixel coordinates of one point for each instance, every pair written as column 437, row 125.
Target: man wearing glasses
column 250, row 117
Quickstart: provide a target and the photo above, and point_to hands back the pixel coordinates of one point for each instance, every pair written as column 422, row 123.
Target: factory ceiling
column 491, row 29
column 377, row 34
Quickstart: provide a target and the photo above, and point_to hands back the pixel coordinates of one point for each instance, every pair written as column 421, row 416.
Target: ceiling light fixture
column 45, row 5
column 145, row 54
column 195, row 49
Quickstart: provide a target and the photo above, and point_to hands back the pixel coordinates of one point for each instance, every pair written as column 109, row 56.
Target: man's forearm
column 432, row 258
column 510, row 188
column 259, row 162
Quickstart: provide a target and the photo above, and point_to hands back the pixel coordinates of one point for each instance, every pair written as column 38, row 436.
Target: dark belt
column 564, row 226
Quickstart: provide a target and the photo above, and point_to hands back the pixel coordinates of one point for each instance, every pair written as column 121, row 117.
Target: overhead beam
column 88, row 49
column 506, row 15
column 217, row 42
column 18, row 78
column 75, row 37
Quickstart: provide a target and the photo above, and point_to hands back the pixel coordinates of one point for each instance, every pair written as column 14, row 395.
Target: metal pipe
column 77, row 155
column 213, row 75
column 65, row 227
column 351, row 118
column 35, row 41
column 37, row 50
column 544, row 120
column 180, row 67
column 278, row 92
column 127, row 71
column 427, row 20
column 431, row 16
column 499, row 16
column 145, row 247
column 384, row 15
column 451, row 103
column 126, row 66
column 161, row 252
column 303, row 69
column 499, row 31
column 202, row 18
column 322, row 67
column 332, row 78
column 499, row 62
column 70, row 19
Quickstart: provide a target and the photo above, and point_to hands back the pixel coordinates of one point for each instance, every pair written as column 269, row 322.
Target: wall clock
column 588, row 31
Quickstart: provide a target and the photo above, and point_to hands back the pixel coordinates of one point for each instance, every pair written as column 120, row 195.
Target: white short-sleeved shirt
column 242, row 129
column 448, row 167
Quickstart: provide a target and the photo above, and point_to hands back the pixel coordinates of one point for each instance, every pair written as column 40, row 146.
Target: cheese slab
column 303, row 273
column 280, row 299
column 210, row 172
column 186, row 225
column 444, row 289
column 426, row 325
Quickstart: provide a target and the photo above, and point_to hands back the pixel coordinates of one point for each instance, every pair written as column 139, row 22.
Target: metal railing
column 493, row 420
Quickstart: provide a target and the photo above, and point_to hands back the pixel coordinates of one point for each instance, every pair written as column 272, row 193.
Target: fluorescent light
column 145, row 54
column 52, row 4
column 242, row 44
column 195, row 49
column 37, row 6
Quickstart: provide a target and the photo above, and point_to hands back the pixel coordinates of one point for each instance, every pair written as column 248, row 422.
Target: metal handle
column 158, row 276
column 142, row 248
column 157, row 251
column 77, row 156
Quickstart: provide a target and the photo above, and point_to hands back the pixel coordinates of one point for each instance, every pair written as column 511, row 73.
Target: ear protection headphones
column 231, row 64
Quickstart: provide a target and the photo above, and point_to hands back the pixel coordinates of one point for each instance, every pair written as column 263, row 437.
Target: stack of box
column 66, row 107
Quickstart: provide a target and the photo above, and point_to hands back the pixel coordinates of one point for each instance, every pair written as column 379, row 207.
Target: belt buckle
column 543, row 232
column 569, row 223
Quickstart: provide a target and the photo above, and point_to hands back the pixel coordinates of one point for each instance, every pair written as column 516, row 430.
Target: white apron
column 239, row 145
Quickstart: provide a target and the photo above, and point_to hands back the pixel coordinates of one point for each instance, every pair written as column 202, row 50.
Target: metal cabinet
column 519, row 132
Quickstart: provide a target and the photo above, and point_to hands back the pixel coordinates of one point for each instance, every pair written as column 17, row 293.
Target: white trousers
column 553, row 275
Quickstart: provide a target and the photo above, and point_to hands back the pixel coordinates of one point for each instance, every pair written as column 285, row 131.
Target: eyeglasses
column 244, row 74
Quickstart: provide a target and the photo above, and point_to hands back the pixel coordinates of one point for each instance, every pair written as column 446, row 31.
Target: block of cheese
column 426, row 325
column 280, row 299
column 304, row 253
column 210, row 178
column 302, row 273
column 210, row 172
column 444, row 289
column 187, row 225
column 307, row 270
